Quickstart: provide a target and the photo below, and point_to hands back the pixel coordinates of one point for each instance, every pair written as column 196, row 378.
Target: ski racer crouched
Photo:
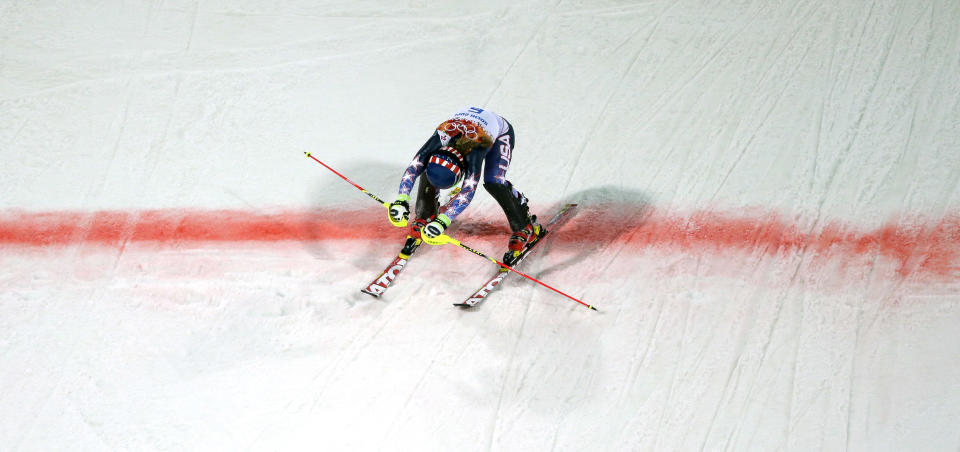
column 472, row 142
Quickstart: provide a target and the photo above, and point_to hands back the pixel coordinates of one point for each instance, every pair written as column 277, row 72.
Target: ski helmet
column 445, row 168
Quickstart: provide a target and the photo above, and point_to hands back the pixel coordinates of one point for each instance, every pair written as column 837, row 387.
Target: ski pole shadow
column 331, row 195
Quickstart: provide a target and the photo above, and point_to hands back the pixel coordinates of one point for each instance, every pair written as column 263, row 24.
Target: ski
column 389, row 274
column 481, row 294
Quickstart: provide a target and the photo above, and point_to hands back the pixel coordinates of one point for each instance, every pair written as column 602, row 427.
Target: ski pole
column 443, row 238
column 375, row 198
column 447, row 239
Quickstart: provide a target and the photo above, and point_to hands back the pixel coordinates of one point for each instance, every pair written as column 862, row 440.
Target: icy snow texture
column 821, row 111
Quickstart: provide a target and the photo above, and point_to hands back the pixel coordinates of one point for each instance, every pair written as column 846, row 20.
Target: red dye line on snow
column 179, row 226
column 917, row 246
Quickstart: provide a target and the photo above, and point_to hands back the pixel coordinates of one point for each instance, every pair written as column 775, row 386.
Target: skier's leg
column 495, row 167
column 427, row 199
column 514, row 204
column 525, row 228
column 426, row 206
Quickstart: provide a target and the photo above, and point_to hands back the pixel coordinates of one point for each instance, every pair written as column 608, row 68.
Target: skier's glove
column 432, row 233
column 399, row 212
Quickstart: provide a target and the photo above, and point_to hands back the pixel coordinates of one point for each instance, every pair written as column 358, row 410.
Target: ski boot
column 523, row 240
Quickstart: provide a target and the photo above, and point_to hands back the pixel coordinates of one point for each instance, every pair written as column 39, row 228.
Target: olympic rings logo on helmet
column 468, row 129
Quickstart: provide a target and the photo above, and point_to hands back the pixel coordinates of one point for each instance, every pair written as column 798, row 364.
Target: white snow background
column 821, row 111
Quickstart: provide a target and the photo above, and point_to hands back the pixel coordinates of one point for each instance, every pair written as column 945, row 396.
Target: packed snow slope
column 769, row 224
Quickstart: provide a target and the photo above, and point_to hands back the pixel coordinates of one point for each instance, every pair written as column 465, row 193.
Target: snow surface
column 835, row 118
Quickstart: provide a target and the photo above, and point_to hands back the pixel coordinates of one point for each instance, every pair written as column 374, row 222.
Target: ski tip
column 374, row 295
column 593, row 307
column 462, row 305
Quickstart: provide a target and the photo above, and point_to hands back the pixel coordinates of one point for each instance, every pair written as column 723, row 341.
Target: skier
column 472, row 142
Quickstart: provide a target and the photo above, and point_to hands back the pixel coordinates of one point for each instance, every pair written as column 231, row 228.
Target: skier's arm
column 415, row 169
column 399, row 211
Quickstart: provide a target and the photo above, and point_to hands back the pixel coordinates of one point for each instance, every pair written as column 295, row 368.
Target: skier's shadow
column 333, row 195
column 603, row 216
